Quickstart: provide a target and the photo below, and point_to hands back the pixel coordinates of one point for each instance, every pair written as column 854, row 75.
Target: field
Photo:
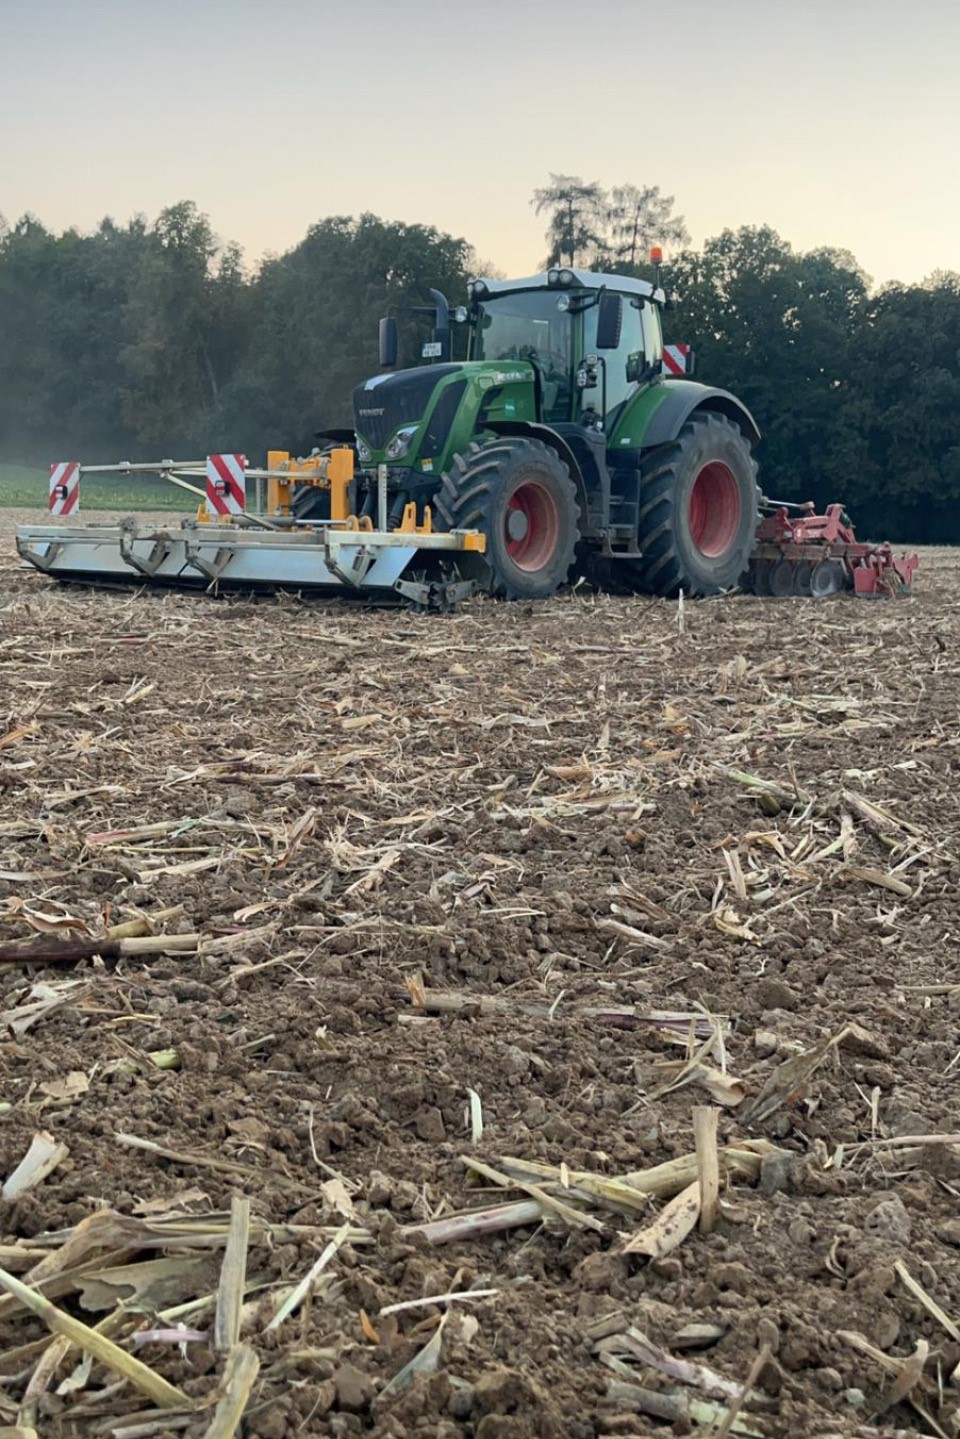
column 434, row 915
column 24, row 488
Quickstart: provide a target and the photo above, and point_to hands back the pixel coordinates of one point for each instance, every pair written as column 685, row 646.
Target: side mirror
column 609, row 321
column 389, row 342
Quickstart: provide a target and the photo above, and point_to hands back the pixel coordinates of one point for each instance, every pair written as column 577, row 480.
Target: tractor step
column 624, row 514
column 625, row 501
column 620, row 534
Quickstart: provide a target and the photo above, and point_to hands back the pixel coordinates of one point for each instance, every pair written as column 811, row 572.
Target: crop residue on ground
column 632, row 940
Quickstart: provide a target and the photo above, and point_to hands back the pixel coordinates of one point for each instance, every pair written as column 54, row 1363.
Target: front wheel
column 519, row 493
column 698, row 509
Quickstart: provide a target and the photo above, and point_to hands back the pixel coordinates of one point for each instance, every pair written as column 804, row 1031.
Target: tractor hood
column 400, row 397
column 409, row 416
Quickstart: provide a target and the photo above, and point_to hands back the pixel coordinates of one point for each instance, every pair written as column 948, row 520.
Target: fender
column 555, row 442
column 683, row 397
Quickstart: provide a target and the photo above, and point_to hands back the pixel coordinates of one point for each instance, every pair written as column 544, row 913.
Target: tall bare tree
column 636, row 218
column 575, row 218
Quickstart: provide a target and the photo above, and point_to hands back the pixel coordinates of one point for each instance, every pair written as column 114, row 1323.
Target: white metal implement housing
column 187, row 554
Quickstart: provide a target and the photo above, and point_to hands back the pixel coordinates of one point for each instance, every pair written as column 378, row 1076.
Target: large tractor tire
column 698, row 509
column 519, row 493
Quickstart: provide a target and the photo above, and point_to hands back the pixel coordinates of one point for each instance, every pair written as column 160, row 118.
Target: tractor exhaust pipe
column 441, row 325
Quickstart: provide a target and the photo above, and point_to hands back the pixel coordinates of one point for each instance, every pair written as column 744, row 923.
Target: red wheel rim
column 714, row 510
column 531, row 526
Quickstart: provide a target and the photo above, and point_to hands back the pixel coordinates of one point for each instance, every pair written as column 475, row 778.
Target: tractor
column 557, row 447
column 561, row 440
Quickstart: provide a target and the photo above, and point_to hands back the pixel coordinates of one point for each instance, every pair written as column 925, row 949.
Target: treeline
column 857, row 393
column 150, row 340
column 145, row 340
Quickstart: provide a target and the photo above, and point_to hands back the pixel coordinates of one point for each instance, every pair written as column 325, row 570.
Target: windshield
column 528, row 326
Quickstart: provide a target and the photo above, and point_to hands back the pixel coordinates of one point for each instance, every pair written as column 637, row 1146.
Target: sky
column 834, row 121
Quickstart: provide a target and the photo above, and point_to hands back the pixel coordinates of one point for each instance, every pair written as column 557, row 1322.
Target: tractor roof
column 584, row 279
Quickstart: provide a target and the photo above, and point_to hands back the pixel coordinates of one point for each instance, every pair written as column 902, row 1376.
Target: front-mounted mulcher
column 558, row 445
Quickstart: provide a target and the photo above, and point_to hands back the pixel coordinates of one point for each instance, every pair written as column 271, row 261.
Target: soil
column 353, row 807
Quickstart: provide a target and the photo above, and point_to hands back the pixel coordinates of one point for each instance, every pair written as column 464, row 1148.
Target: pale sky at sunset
column 835, row 121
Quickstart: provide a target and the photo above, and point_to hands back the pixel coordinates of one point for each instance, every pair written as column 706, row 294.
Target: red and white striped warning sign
column 676, row 359
column 65, row 488
column 226, row 484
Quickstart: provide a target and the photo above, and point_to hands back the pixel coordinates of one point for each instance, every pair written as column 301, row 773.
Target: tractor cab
column 593, row 340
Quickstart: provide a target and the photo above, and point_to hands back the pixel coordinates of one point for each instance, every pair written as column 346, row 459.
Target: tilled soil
column 552, row 809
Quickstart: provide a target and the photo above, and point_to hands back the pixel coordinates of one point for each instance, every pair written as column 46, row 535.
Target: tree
column 636, row 219
column 904, row 404
column 152, row 338
column 779, row 329
column 28, row 264
column 316, row 310
column 175, row 362
column 575, row 209
column 606, row 230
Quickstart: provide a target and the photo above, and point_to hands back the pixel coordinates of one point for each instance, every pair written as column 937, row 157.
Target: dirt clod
column 889, row 1220
column 774, row 993
column 353, row 1388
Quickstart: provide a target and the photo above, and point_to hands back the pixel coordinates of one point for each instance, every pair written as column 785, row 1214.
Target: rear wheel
column 519, row 493
column 698, row 509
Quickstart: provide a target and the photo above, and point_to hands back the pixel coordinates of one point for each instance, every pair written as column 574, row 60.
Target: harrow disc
column 802, row 579
column 760, row 577
column 827, row 578
column 781, row 579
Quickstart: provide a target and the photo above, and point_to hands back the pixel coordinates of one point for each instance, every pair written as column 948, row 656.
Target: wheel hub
column 518, row 526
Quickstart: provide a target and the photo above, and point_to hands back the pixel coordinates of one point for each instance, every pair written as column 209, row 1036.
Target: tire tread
column 661, row 570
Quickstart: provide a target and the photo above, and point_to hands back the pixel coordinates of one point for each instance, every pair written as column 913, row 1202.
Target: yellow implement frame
column 332, row 471
column 266, row 548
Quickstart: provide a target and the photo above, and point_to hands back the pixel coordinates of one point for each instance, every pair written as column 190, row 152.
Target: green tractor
column 560, row 439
